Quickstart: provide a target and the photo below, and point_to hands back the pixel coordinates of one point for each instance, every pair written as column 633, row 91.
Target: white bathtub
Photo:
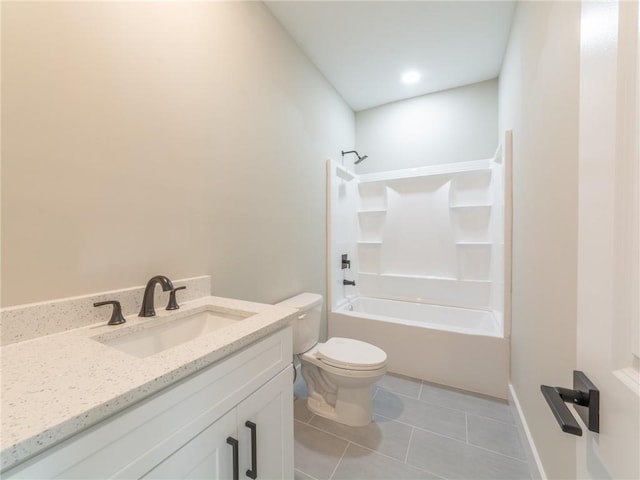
column 460, row 347
column 461, row 320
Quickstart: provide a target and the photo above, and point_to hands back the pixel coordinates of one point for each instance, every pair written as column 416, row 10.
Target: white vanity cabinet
column 187, row 430
column 208, row 455
column 211, row 453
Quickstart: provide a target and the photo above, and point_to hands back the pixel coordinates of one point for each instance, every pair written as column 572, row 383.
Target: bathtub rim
column 341, row 310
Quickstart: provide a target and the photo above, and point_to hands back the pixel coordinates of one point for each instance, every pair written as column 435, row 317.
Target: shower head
column 360, row 159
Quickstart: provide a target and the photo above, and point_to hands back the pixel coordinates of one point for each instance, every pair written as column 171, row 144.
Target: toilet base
column 343, row 399
column 353, row 408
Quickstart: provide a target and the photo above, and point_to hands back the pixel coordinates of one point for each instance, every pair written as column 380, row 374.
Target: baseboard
column 525, row 436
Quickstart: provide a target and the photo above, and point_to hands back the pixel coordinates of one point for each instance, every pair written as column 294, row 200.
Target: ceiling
column 363, row 47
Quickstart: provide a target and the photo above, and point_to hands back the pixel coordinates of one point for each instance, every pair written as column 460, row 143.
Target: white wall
column 450, row 126
column 539, row 102
column 162, row 138
column 497, row 228
column 444, row 261
column 342, row 197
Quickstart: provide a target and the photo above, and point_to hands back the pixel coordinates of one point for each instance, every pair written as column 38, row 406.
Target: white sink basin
column 156, row 338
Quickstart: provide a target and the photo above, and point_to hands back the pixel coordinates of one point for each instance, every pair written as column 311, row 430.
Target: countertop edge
column 30, row 447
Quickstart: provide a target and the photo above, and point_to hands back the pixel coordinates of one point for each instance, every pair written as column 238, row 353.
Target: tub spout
column 349, row 282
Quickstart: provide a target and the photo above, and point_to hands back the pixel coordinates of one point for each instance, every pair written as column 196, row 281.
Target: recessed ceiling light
column 410, row 77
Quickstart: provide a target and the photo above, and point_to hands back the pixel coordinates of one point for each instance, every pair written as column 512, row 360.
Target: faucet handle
column 116, row 314
column 173, row 304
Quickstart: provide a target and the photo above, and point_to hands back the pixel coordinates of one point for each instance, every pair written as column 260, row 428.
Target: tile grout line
column 491, row 418
column 376, row 452
column 330, row 433
column 427, row 402
column 406, row 457
column 450, row 389
column 420, row 428
column 473, row 445
column 304, row 473
column 360, row 445
column 389, row 389
column 466, row 428
column 396, row 460
column 484, row 449
column 454, row 439
column 341, row 438
column 339, row 461
column 305, row 406
column 413, row 429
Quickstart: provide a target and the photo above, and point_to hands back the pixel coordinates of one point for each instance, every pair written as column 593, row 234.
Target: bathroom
column 191, row 139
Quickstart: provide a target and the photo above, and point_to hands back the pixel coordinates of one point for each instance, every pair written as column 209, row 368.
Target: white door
column 269, row 409
column 608, row 231
column 206, row 456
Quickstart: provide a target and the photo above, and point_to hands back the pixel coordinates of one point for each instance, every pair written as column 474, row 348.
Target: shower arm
column 360, row 158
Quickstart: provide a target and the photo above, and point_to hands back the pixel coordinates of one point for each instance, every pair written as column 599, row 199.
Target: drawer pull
column 253, row 473
column 234, row 444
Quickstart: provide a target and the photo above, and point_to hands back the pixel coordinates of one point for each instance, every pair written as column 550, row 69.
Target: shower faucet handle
column 346, row 263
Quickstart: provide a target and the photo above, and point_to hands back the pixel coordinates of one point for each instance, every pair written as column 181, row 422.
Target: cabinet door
column 270, row 408
column 206, row 456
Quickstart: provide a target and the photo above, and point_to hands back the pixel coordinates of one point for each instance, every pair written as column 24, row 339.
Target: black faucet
column 173, row 303
column 349, row 282
column 147, row 309
column 116, row 313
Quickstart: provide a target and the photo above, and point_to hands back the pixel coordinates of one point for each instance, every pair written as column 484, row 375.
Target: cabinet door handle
column 253, row 473
column 234, row 444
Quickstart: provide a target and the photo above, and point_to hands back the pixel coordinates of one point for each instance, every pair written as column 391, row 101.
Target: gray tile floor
column 420, row 430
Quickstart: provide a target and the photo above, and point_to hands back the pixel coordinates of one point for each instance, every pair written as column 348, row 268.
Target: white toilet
column 339, row 373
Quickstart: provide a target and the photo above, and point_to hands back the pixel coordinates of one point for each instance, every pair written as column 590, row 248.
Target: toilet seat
column 350, row 354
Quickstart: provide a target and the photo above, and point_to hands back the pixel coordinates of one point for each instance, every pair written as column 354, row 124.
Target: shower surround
column 427, row 251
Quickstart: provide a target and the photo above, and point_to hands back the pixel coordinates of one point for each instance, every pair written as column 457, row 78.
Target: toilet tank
column 306, row 327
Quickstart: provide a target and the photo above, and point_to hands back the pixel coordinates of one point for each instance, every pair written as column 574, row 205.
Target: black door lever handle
column 567, row 422
column 585, row 397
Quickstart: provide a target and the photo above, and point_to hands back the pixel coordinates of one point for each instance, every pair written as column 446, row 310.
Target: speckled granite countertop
column 57, row 385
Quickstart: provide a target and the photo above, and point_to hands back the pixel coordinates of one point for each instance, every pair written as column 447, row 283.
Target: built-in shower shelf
column 471, row 206
column 343, row 173
column 421, row 277
column 372, row 211
column 369, row 242
column 427, row 278
column 474, row 166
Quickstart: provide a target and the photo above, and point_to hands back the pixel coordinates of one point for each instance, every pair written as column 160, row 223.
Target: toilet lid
column 351, row 354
